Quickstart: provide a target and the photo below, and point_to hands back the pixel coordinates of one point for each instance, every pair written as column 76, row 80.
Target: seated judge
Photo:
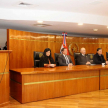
column 83, row 59
column 64, row 59
column 46, row 60
column 99, row 58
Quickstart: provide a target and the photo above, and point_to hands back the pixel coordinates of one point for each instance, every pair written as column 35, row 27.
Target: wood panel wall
column 23, row 44
column 4, row 78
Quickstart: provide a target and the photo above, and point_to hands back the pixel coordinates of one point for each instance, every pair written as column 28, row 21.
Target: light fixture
column 95, row 30
column 80, row 23
column 107, row 26
column 40, row 21
column 42, row 25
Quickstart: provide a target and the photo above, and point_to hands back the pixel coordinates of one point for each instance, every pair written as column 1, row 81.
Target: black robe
column 98, row 59
column 44, row 60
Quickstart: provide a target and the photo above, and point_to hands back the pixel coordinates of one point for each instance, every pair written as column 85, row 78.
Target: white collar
column 83, row 54
column 64, row 55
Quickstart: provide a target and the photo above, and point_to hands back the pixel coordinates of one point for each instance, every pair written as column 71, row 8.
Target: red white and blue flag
column 64, row 45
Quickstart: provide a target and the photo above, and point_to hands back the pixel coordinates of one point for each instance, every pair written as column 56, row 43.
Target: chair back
column 76, row 54
column 56, row 55
column 106, row 55
column 37, row 56
column 91, row 57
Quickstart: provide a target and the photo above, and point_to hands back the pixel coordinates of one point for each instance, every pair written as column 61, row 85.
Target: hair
column 44, row 53
column 63, row 49
column 82, row 48
column 99, row 49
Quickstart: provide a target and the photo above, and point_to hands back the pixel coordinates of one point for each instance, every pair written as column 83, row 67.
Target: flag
column 64, row 45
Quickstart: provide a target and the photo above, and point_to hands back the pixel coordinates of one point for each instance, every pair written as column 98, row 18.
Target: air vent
column 24, row 4
column 42, row 25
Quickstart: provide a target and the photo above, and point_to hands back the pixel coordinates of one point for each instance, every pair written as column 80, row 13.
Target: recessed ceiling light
column 42, row 25
column 95, row 30
column 40, row 21
column 24, row 4
column 80, row 23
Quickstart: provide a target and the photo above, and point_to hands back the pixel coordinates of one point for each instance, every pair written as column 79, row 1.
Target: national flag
column 64, row 45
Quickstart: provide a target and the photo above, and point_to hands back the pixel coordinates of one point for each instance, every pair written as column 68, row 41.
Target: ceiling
column 57, row 15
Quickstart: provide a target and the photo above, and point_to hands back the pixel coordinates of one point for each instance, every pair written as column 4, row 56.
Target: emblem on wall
column 73, row 48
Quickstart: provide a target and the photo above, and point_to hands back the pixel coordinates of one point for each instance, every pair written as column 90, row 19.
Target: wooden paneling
column 23, row 44
column 16, row 90
column 103, row 79
column 4, row 90
column 4, row 77
column 45, row 83
column 4, row 61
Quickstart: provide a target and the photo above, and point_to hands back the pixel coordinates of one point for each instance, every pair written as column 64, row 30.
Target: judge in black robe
column 46, row 60
column 99, row 58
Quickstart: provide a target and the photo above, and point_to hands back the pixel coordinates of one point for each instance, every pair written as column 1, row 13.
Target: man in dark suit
column 83, row 59
column 64, row 59
column 99, row 58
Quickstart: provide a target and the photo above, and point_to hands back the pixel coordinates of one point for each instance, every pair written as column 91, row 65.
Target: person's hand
column 88, row 63
column 46, row 65
column 70, row 64
column 107, row 62
column 52, row 65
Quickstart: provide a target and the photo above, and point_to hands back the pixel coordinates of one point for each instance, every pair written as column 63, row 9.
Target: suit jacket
column 82, row 60
column 98, row 59
column 62, row 60
column 44, row 60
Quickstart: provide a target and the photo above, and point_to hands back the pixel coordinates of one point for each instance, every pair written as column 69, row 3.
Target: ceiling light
column 42, row 25
column 24, row 4
column 80, row 23
column 95, row 30
column 39, row 21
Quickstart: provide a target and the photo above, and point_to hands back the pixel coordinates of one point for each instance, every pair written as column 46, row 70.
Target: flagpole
column 64, row 39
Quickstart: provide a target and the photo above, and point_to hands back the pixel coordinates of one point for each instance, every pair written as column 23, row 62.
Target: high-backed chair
column 56, row 55
column 37, row 56
column 91, row 57
column 76, row 54
column 106, row 55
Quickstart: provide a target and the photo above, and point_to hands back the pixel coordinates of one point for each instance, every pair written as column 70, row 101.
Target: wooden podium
column 4, row 77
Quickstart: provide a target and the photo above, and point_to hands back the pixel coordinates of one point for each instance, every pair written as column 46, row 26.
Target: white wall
column 3, row 37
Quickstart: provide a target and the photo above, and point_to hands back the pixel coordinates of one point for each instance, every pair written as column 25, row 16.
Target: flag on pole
column 64, row 45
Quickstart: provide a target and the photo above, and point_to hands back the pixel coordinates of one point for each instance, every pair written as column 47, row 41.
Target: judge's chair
column 37, row 56
column 106, row 55
column 91, row 57
column 56, row 55
column 76, row 54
